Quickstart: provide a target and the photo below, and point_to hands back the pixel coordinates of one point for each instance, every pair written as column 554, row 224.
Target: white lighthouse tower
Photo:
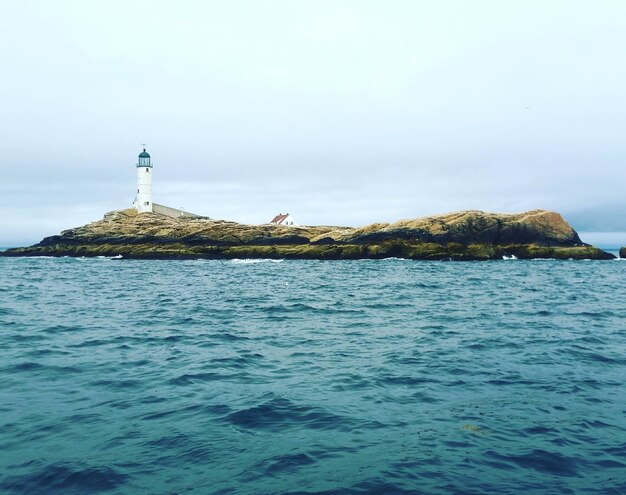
column 143, row 201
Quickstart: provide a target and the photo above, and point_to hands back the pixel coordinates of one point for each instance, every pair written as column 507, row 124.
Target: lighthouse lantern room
column 143, row 201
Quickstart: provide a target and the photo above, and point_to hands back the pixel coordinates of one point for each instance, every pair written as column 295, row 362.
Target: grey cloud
column 342, row 113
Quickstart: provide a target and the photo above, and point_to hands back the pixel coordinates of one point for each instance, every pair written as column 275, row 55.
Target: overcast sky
column 338, row 112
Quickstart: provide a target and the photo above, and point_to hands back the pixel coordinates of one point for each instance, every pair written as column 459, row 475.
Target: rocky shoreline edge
column 462, row 236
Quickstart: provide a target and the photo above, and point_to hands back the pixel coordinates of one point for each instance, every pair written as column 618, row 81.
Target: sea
column 312, row 377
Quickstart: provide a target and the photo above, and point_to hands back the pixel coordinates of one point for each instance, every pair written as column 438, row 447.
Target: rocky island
column 466, row 235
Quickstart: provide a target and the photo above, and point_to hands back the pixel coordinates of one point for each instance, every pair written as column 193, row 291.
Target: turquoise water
column 357, row 377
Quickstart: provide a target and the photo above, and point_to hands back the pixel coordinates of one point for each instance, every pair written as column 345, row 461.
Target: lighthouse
column 143, row 201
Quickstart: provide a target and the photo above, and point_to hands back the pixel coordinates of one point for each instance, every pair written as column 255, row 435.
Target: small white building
column 285, row 219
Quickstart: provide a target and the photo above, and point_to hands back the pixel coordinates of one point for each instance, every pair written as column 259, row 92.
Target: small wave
column 48, row 368
column 210, row 376
column 229, row 337
column 350, row 382
column 277, row 414
column 369, row 486
column 28, row 366
column 117, row 384
column 189, row 449
column 295, row 308
column 543, row 461
column 64, row 478
column 254, row 261
column 279, row 464
column 27, row 337
column 237, row 362
column 410, row 381
column 595, row 357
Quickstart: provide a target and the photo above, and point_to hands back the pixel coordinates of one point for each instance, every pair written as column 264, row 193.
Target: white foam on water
column 93, row 258
column 512, row 257
column 253, row 261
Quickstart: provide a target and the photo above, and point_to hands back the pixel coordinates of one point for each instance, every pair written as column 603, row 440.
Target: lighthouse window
column 147, row 203
column 147, row 170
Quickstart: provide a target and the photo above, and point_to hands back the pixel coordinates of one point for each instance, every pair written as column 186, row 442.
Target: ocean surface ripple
column 312, row 377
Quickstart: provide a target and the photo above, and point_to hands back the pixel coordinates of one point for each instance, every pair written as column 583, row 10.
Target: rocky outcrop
column 622, row 252
column 467, row 235
column 471, row 227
